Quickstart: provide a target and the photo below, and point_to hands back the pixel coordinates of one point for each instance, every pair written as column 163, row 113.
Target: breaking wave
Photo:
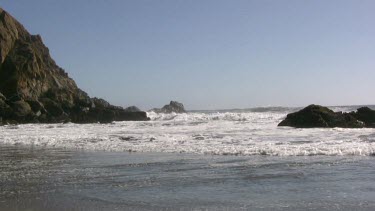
column 215, row 132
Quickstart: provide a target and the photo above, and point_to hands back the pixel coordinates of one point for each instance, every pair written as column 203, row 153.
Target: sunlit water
column 225, row 160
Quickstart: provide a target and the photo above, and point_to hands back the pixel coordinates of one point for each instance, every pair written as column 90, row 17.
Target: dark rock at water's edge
column 316, row 116
column 34, row 89
column 366, row 115
column 173, row 106
column 132, row 109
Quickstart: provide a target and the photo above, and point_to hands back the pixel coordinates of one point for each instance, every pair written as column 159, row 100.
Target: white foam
column 227, row 133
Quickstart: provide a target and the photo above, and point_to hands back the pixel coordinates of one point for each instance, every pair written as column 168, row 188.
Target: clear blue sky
column 211, row 53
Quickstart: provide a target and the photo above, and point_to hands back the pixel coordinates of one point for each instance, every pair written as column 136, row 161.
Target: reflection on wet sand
column 58, row 179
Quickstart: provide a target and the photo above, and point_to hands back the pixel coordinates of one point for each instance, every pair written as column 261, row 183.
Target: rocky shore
column 318, row 116
column 34, row 89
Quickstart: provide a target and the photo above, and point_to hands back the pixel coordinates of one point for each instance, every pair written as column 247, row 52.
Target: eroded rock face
column 315, row 116
column 173, row 106
column 33, row 88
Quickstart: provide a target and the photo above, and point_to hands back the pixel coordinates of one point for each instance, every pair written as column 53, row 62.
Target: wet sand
column 34, row 178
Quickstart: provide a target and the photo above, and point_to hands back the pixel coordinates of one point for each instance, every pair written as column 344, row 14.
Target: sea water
column 205, row 160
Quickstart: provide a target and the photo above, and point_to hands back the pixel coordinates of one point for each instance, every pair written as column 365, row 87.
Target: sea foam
column 218, row 133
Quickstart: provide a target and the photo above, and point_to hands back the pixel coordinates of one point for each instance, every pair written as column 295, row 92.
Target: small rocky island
column 172, row 107
column 34, row 89
column 316, row 116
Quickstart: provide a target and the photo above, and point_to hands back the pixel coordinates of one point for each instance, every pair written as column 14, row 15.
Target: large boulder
column 21, row 113
column 21, row 108
column 172, row 107
column 100, row 103
column 132, row 109
column 366, row 115
column 318, row 116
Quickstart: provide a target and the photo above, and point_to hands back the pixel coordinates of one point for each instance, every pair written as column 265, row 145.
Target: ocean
column 203, row 160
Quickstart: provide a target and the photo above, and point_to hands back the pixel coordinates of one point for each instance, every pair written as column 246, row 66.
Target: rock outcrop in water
column 173, row 106
column 365, row 115
column 132, row 109
column 318, row 116
column 34, row 89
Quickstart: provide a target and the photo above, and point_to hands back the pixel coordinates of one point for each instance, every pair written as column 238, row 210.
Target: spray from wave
column 229, row 132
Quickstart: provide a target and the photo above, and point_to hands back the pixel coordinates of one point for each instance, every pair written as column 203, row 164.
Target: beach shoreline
column 37, row 178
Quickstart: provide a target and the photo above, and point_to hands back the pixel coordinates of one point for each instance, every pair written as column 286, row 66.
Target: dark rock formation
column 366, row 115
column 34, row 89
column 318, row 116
column 132, row 109
column 173, row 106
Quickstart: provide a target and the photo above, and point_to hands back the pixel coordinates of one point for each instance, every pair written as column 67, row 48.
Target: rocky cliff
column 33, row 88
